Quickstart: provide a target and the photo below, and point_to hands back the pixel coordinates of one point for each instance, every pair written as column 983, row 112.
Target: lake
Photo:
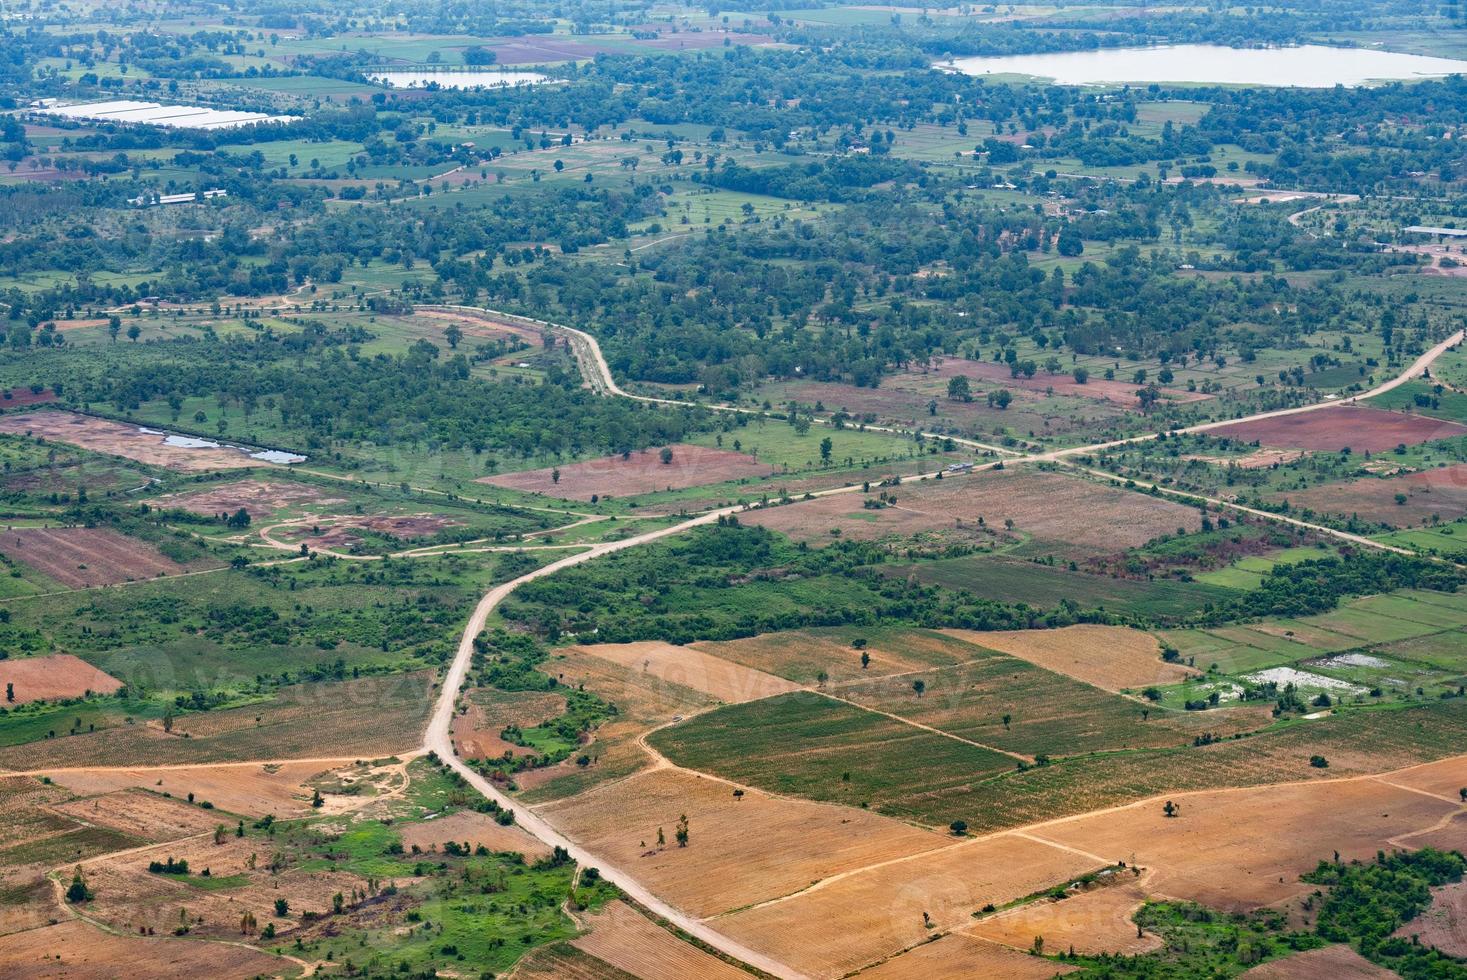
column 1306, row 66
column 458, row 79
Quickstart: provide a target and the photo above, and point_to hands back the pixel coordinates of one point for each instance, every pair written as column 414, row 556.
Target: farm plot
column 475, row 829
column 961, row 957
column 75, row 949
column 846, row 923
column 1064, row 514
column 1092, row 921
column 1398, row 501
column 140, row 814
column 255, row 497
column 988, row 374
column 1444, row 923
column 1360, row 429
column 250, row 789
column 83, row 557
column 339, row 533
column 1013, row 706
column 57, row 676
column 803, row 655
column 718, row 678
column 1238, row 850
column 1335, row 962
column 127, row 441
column 741, row 850
column 477, row 730
column 1107, row 657
column 636, row 473
column 812, row 746
column 628, row 940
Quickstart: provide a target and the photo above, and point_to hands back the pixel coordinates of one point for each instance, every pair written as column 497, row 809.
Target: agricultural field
column 672, row 467
column 1359, row 429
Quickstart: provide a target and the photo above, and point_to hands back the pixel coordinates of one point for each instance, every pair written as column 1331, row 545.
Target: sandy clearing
column 1218, row 852
column 77, row 951
column 714, row 676
column 127, row 441
column 1335, row 962
column 628, row 940
column 1108, row 657
column 249, row 789
column 58, row 676
column 859, row 919
column 959, row 957
column 475, row 828
column 741, row 851
column 1092, row 922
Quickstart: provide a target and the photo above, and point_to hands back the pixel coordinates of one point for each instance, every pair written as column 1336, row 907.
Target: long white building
column 156, row 114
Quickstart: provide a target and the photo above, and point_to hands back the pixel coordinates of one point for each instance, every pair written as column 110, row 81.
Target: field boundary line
column 926, row 728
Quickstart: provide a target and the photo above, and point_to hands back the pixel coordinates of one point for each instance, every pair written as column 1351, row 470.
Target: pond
column 448, row 78
column 194, row 442
column 1306, row 66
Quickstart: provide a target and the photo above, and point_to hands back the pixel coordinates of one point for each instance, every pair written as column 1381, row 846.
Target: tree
column 114, row 326
column 1081, row 375
column 959, row 389
column 338, row 902
column 559, row 165
column 479, row 56
column 78, row 890
column 920, row 686
column 825, row 447
column 1000, row 399
column 665, row 455
column 1171, row 809
column 1148, row 397
column 453, row 334
column 555, row 475
column 282, row 908
column 10, row 692
column 866, row 662
column 240, row 518
column 316, row 800
column 682, row 831
column 134, row 332
column 1006, row 720
column 958, row 827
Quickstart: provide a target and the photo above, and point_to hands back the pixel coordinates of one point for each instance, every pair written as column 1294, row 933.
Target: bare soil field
column 1241, row 849
column 1444, row 923
column 475, row 828
column 336, row 531
column 1335, row 962
column 59, row 675
column 642, row 472
column 800, row 655
column 562, row 961
column 257, row 497
column 248, row 789
column 850, row 922
column 21, row 397
column 741, row 850
column 1077, row 517
column 1108, row 657
column 1361, row 429
column 83, row 557
column 143, row 815
column 628, row 940
column 718, row 678
column 1439, row 493
column 1090, row 922
column 987, row 375
column 128, row 441
column 476, row 731
column 476, row 325
column 959, row 957
column 76, row 951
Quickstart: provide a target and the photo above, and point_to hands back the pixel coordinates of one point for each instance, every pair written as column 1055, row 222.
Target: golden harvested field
column 77, row 951
column 127, row 441
column 741, row 851
column 58, row 676
column 248, row 789
column 800, row 655
column 714, row 676
column 1091, row 922
column 628, row 940
column 1073, row 516
column 143, row 815
column 853, row 921
column 1109, row 657
column 959, row 957
column 642, row 702
column 475, row 828
column 1240, row 849
column 1335, row 962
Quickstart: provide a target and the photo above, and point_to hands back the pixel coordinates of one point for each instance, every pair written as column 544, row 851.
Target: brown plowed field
column 722, row 679
column 850, row 922
column 1431, row 493
column 249, row 790
column 128, row 441
column 57, row 676
column 146, row 816
column 82, row 557
column 741, row 851
column 960, row 957
column 986, row 375
column 1335, row 962
column 475, row 828
column 17, row 397
column 562, row 961
column 1075, row 516
column 642, row 472
column 628, row 940
column 257, row 497
column 77, row 951
column 1091, row 922
column 1109, row 657
column 1363, row 430
column 1444, row 923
